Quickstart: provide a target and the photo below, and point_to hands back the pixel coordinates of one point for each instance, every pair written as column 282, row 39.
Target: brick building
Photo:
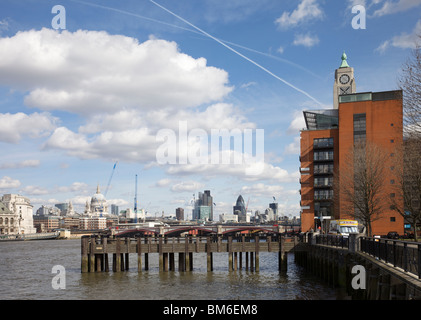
column 330, row 134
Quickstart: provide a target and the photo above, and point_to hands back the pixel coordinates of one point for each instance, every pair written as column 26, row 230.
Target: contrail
column 222, row 42
column 238, row 53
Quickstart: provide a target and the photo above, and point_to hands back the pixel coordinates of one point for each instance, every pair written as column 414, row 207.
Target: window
column 392, row 181
column 323, row 168
column 392, row 219
column 392, row 141
column 323, row 143
column 323, row 155
column 359, row 127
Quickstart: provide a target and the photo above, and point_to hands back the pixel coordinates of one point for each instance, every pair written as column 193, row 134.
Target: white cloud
column 13, row 127
column 33, row 190
column 163, row 183
column 307, row 10
column 306, row 40
column 88, row 71
column 404, row 41
column 294, row 147
column 79, row 187
column 392, row 7
column 130, row 135
column 21, row 164
column 184, row 186
column 9, row 183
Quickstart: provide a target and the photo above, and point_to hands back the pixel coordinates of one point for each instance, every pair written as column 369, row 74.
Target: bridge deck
column 95, row 250
column 176, row 245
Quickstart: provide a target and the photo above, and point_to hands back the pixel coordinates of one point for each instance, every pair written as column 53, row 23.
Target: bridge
column 199, row 230
column 390, row 269
column 242, row 250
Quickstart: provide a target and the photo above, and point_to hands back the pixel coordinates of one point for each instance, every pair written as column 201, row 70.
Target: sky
column 142, row 84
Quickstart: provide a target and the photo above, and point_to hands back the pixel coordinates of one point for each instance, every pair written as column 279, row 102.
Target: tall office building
column 179, row 214
column 203, row 207
column 275, row 209
column 330, row 134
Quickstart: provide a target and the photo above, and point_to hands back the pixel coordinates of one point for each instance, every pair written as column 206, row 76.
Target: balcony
column 319, row 156
column 323, row 143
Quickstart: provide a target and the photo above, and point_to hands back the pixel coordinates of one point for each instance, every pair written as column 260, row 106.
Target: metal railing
column 401, row 254
column 332, row 240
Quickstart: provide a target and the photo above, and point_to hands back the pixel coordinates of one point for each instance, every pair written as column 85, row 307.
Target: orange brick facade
column 382, row 113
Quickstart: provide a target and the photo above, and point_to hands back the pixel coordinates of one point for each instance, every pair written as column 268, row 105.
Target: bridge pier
column 95, row 251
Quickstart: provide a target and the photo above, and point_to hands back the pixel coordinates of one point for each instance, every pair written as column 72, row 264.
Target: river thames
column 27, row 272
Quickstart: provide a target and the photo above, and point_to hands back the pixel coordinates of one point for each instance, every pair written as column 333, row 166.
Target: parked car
column 393, row 235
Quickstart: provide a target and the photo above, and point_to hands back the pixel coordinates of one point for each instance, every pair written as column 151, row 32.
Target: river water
column 26, row 272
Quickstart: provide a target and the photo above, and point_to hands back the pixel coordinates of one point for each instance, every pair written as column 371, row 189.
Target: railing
column 332, row 240
column 402, row 254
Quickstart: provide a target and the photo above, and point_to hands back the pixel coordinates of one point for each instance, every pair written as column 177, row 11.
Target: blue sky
column 74, row 101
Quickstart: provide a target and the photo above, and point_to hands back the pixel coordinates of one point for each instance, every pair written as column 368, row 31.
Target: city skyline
column 74, row 101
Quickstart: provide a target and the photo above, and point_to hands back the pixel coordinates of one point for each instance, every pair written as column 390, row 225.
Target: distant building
column 92, row 223
column 226, row 217
column 63, row 207
column 179, row 213
column 114, row 210
column 240, row 210
column 275, row 209
column 98, row 205
column 47, row 223
column 203, row 207
column 16, row 215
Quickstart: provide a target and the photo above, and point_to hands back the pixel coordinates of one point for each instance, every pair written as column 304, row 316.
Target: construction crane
column 109, row 181
column 247, row 206
column 108, row 185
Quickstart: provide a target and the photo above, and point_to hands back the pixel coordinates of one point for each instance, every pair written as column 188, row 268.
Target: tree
column 408, row 184
column 359, row 186
column 410, row 83
column 408, row 187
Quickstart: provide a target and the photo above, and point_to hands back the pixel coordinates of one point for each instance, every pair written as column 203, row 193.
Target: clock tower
column 344, row 81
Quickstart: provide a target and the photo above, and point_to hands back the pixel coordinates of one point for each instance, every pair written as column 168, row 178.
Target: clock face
column 344, row 79
column 345, row 90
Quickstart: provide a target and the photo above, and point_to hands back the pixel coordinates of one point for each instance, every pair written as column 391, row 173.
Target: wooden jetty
column 95, row 251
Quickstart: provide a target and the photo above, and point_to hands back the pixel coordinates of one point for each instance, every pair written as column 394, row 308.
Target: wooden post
column 148, row 240
column 235, row 261
column 92, row 255
column 117, row 267
column 251, row 261
column 256, row 239
column 282, row 256
column 139, row 254
column 209, row 254
column 84, row 254
column 247, row 260
column 105, row 250
column 171, row 261
column 127, row 240
column 181, row 261
column 230, row 253
column 187, row 256
column 161, row 255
